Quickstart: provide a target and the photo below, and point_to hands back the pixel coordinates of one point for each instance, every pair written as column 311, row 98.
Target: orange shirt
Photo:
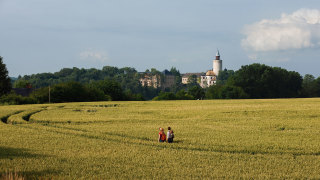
column 162, row 135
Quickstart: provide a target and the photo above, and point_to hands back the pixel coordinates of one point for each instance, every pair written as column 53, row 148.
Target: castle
column 167, row 80
column 210, row 77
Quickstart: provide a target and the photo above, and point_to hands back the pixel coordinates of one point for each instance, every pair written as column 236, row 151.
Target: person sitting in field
column 170, row 135
column 162, row 136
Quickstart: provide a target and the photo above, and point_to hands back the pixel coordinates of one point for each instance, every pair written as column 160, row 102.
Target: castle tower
column 217, row 64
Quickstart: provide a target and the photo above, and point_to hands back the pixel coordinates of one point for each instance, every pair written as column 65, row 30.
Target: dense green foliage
column 21, row 83
column 225, row 92
column 5, row 81
column 77, row 92
column 12, row 99
column 112, row 83
column 214, row 139
column 125, row 76
column 109, row 79
column 192, row 93
column 224, row 76
column 310, row 86
column 257, row 81
column 261, row 81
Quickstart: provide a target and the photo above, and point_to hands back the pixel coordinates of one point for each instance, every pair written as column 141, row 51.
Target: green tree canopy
column 5, row 81
column 261, row 81
column 224, row 76
column 196, row 91
column 310, row 87
column 193, row 80
column 21, row 83
column 110, row 88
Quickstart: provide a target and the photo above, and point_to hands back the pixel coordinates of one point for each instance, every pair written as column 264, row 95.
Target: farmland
column 261, row 139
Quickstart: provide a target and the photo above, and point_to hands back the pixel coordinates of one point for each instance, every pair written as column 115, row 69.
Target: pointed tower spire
column 218, row 55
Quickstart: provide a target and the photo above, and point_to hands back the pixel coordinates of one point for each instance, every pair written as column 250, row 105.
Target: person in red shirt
column 162, row 135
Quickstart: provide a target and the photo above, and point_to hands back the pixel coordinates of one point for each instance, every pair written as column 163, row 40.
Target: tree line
column 122, row 84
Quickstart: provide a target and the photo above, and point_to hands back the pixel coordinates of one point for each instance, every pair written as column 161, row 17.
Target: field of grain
column 260, row 139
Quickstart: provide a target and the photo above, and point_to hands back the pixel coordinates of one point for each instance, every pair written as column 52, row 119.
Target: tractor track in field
column 25, row 117
column 5, row 118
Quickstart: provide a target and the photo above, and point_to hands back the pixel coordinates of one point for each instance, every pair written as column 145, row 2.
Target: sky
column 39, row 36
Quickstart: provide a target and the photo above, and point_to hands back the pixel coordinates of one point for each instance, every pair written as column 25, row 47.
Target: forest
column 254, row 81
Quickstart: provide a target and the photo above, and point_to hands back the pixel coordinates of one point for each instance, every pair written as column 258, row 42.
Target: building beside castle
column 162, row 80
column 150, row 80
column 186, row 76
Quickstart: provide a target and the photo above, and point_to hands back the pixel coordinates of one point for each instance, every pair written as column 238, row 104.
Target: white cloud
column 93, row 55
column 298, row 30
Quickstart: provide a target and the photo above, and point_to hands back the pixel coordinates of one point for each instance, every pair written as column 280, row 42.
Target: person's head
column 169, row 128
column 161, row 129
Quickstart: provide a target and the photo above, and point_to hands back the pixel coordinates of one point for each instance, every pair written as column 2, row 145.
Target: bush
column 165, row 96
column 41, row 95
column 225, row 92
column 183, row 95
column 232, row 92
column 14, row 99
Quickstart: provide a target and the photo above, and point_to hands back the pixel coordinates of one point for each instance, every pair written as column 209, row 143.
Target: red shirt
column 162, row 135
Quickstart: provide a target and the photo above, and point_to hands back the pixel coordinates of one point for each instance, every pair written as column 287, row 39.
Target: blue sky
column 46, row 35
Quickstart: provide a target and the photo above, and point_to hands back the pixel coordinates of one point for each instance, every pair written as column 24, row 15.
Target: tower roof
column 218, row 54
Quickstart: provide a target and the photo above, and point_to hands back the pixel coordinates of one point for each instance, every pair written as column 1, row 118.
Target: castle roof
column 210, row 73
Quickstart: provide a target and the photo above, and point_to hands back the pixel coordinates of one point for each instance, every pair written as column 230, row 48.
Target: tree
column 317, row 86
column 196, row 91
column 177, row 86
column 110, row 88
column 154, row 71
column 165, row 96
column 192, row 80
column 14, row 99
column 69, row 92
column 175, row 72
column 261, row 81
column 214, row 92
column 21, row 83
column 41, row 95
column 309, row 86
column 5, row 81
column 224, row 76
column 183, row 95
column 232, row 92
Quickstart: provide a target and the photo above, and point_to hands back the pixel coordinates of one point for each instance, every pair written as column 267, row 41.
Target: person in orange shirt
column 162, row 135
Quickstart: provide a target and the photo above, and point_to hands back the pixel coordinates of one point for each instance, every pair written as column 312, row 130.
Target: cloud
column 298, row 30
column 93, row 55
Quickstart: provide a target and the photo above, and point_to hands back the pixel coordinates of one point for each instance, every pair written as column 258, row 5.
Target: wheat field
column 214, row 139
